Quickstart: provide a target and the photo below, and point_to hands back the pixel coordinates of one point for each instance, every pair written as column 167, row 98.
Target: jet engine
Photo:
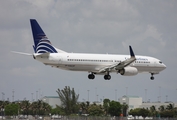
column 129, row 71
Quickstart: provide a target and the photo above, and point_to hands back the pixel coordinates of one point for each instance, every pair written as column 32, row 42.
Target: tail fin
column 131, row 52
column 41, row 43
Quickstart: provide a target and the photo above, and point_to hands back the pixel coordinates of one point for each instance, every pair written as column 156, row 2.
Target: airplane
column 94, row 64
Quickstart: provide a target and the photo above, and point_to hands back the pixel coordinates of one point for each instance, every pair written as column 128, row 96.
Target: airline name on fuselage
column 142, row 59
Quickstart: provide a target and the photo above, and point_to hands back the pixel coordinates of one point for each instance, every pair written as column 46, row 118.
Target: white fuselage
column 95, row 62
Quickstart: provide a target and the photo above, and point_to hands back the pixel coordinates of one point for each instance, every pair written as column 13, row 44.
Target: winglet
column 131, row 52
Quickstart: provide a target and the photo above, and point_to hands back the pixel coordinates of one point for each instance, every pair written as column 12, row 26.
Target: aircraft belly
column 148, row 69
column 90, row 68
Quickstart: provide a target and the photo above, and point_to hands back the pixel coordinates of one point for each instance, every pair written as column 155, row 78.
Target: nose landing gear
column 152, row 77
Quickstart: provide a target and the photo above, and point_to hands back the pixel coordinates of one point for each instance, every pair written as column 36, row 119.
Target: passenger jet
column 94, row 64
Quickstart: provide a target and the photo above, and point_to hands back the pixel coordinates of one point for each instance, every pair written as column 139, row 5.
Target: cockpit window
column 160, row 62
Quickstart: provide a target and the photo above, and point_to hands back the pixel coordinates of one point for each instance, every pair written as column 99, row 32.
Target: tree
column 87, row 105
column 135, row 112
column 153, row 111
column 132, row 112
column 170, row 107
column 12, row 109
column 84, row 107
column 33, row 108
column 106, row 105
column 45, row 109
column 161, row 108
column 57, row 111
column 68, row 99
column 124, row 109
column 2, row 106
column 144, row 112
column 40, row 108
column 24, row 107
column 95, row 110
column 167, row 114
column 114, row 108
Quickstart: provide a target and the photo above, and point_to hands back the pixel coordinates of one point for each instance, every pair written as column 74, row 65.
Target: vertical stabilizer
column 41, row 43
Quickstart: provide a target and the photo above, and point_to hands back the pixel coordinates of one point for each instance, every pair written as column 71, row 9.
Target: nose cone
column 163, row 66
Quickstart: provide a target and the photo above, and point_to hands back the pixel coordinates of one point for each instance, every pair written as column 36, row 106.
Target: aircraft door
column 152, row 64
column 155, row 63
column 59, row 59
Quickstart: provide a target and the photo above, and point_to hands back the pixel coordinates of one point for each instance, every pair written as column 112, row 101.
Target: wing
column 121, row 65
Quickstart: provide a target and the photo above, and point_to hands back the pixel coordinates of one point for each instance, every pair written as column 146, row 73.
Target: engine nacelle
column 129, row 71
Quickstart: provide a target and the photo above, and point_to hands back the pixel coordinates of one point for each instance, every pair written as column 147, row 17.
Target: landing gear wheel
column 152, row 77
column 107, row 77
column 91, row 76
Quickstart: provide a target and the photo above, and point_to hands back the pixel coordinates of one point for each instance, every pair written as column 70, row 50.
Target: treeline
column 24, row 108
column 71, row 106
column 110, row 108
column 39, row 107
column 168, row 111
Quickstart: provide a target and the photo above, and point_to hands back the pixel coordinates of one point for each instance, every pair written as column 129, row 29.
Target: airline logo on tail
column 41, row 43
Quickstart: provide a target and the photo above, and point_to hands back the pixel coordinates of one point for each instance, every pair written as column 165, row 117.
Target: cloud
column 95, row 26
column 146, row 35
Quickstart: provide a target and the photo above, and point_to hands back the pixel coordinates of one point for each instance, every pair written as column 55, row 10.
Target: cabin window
column 160, row 62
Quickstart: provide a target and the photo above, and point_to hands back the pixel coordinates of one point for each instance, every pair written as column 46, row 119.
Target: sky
column 88, row 26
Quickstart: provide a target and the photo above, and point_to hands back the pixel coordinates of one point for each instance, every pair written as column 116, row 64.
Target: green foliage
column 69, row 99
column 24, row 107
column 153, row 111
column 163, row 111
column 161, row 108
column 170, row 107
column 144, row 112
column 40, row 108
column 167, row 114
column 95, row 110
column 114, row 108
column 135, row 112
column 124, row 109
column 84, row 107
column 106, row 105
column 11, row 109
column 57, row 111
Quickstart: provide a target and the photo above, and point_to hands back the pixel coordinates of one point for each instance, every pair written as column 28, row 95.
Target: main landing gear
column 107, row 77
column 152, row 77
column 92, row 76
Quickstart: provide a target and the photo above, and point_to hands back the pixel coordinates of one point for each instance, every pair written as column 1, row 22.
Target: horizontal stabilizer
column 22, row 53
